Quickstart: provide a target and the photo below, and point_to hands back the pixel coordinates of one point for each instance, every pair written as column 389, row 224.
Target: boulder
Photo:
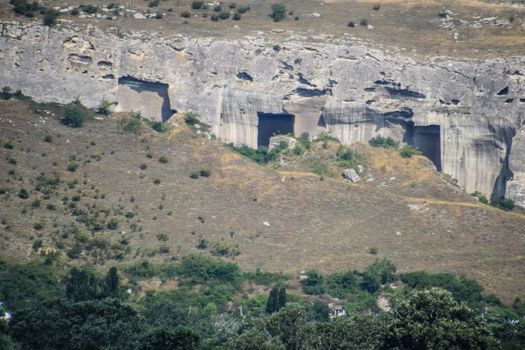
column 351, row 175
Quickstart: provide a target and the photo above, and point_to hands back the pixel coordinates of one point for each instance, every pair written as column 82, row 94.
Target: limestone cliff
column 468, row 117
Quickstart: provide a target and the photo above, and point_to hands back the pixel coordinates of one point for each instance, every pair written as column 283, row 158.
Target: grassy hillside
column 104, row 195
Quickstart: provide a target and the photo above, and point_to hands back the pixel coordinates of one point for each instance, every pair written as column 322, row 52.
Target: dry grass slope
column 329, row 225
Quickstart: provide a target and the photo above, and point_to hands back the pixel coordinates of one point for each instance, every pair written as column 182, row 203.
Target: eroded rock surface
column 465, row 116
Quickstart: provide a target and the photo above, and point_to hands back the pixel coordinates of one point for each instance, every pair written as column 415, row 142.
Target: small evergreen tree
column 112, row 283
column 276, row 300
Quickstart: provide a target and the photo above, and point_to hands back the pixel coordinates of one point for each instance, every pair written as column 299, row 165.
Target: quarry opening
column 271, row 124
column 427, row 139
column 151, row 99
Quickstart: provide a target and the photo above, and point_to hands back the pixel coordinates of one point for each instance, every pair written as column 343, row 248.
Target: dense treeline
column 211, row 308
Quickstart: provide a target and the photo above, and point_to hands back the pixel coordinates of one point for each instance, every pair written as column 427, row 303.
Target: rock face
column 467, row 117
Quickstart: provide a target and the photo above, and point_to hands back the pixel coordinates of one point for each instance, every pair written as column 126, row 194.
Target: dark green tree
column 255, row 339
column 112, row 283
column 434, row 320
column 82, row 284
column 163, row 339
column 287, row 324
column 276, row 299
column 360, row 332
column 61, row 324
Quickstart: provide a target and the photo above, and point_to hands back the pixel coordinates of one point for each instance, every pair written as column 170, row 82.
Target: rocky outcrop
column 466, row 116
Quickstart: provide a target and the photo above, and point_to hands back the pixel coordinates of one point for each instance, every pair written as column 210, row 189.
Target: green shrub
column 260, row 155
column 265, row 278
column 202, row 244
column 408, row 151
column 185, row 14
column 23, row 193
column 205, row 172
column 131, row 124
column 90, row 9
column 192, row 118
column 462, row 288
column 74, row 115
column 224, row 15
column 163, row 160
column 215, row 18
column 162, row 237
column 112, row 224
column 385, row 142
column 201, row 268
column 278, row 12
column 363, row 22
column 25, row 8
column 197, row 4
column 154, row 3
column 104, row 108
column 481, row 197
column 232, row 5
column 376, row 7
column 158, row 126
column 373, row 251
column 506, row 204
column 72, row 166
column 243, row 9
column 237, row 17
column 48, row 138
column 143, row 166
column 351, row 24
column 50, row 18
column 195, row 175
column 8, row 145
column 217, row 8
column 224, row 248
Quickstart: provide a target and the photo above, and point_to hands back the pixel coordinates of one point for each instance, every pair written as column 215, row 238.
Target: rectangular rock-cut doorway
column 428, row 140
column 271, row 124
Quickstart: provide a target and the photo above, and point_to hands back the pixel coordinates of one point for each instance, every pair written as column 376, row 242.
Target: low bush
column 481, row 197
column 132, row 124
column 158, row 126
column 215, row 18
column 154, row 3
column 224, row 15
column 237, row 17
column 278, row 12
column 243, row 9
column 25, row 8
column 351, row 24
column 363, row 22
column 90, row 9
column 408, row 151
column 192, row 118
column 104, row 108
column 376, row 7
column 506, row 204
column 384, row 142
column 217, row 8
column 163, row 160
column 185, row 14
column 197, row 4
column 50, row 18
column 74, row 115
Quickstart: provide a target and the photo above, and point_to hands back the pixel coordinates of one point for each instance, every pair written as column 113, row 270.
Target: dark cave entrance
column 427, row 139
column 271, row 124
